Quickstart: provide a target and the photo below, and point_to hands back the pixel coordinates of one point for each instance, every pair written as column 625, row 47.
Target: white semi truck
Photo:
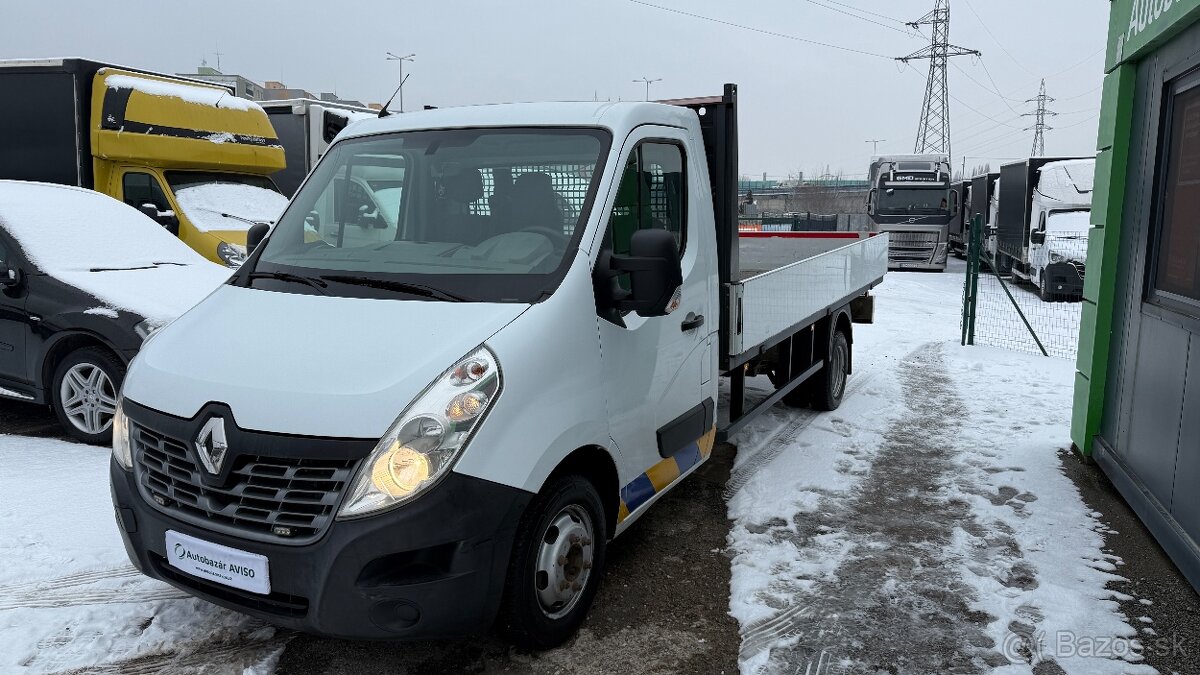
column 442, row 424
column 1044, row 216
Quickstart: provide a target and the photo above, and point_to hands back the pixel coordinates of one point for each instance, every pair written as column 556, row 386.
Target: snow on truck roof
column 106, row 248
column 619, row 117
column 212, row 96
column 1068, row 181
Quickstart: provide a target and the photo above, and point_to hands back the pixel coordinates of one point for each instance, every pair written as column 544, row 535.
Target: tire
column 534, row 615
column 800, row 397
column 829, row 385
column 83, row 393
column 1045, row 295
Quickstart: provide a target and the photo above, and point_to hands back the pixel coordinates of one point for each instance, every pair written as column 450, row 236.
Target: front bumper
column 1064, row 279
column 431, row 568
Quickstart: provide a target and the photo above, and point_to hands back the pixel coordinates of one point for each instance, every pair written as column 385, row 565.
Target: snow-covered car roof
column 106, row 248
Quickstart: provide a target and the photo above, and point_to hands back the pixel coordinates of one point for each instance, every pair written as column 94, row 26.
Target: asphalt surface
column 1171, row 638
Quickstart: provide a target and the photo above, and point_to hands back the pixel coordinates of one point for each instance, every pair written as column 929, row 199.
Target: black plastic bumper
column 1064, row 279
column 434, row 567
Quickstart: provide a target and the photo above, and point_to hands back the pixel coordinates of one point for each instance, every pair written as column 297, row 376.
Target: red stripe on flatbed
column 803, row 235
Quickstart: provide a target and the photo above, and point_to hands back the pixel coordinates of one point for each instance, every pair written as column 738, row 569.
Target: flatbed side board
column 767, row 305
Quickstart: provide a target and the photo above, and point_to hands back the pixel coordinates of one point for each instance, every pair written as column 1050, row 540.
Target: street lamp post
column 648, row 82
column 400, row 60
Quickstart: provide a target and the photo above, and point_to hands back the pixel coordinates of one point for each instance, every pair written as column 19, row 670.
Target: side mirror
column 654, row 272
column 871, row 202
column 255, row 235
column 1037, row 237
column 954, row 200
column 9, row 276
column 165, row 218
column 313, row 220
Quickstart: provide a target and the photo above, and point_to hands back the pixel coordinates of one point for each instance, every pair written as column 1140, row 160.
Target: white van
column 479, row 344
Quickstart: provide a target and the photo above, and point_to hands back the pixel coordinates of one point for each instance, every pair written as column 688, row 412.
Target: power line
column 861, row 18
column 759, row 30
column 995, row 39
column 867, row 11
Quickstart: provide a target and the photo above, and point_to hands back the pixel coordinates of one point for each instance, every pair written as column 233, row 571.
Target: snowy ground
column 69, row 598
column 925, row 526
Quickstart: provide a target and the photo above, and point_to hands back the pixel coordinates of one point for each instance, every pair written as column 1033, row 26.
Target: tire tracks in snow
column 72, row 590
column 781, row 440
column 215, row 656
column 896, row 601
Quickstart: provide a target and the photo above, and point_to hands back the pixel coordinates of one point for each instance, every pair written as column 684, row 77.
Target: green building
column 1137, row 389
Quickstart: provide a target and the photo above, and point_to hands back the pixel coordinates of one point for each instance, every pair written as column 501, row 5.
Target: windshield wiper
column 400, row 286
column 287, row 276
column 245, row 220
column 138, row 267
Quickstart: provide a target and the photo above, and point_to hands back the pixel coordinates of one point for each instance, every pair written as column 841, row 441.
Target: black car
column 85, row 279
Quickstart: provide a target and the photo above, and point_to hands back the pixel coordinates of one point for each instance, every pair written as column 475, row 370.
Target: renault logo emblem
column 211, row 444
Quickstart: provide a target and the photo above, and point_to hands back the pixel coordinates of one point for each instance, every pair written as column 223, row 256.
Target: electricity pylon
column 1039, row 127
column 933, row 132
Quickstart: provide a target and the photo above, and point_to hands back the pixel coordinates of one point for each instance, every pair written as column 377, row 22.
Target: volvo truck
column 1044, row 217
column 190, row 154
column 911, row 198
column 454, row 403
column 305, row 128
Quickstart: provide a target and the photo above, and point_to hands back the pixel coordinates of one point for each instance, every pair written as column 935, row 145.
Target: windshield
column 1074, row 222
column 901, row 200
column 481, row 214
column 225, row 201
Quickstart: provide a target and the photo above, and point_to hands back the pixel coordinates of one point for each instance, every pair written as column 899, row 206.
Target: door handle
column 692, row 322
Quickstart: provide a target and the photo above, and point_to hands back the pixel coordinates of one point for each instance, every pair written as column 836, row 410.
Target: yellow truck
column 190, row 154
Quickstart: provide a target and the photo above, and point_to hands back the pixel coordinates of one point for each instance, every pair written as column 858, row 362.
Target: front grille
column 912, row 246
column 262, row 493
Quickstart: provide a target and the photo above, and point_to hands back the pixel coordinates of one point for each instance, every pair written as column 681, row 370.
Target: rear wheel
column 83, row 393
column 557, row 562
column 829, row 385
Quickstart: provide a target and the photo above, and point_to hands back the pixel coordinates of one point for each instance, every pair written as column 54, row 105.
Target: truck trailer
column 911, row 198
column 1044, row 216
column 959, row 229
column 479, row 399
column 305, row 128
column 189, row 153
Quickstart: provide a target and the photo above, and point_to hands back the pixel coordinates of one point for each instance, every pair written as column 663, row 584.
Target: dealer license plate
column 219, row 564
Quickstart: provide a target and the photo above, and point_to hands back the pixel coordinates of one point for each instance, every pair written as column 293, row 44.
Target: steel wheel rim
column 88, row 398
column 564, row 561
column 839, row 369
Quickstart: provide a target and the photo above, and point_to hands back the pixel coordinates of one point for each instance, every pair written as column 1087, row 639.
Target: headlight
column 122, row 451
column 1057, row 257
column 425, row 440
column 231, row 254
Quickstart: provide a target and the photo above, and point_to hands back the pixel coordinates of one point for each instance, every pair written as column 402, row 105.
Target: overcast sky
column 803, row 106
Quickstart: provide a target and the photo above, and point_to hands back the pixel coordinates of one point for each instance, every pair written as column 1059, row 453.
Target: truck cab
column 189, row 154
column 911, row 198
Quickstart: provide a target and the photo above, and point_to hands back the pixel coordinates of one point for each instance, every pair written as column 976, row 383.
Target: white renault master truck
column 479, row 344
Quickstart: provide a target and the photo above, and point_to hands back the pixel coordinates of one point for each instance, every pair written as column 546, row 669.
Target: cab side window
column 650, row 195
column 142, row 188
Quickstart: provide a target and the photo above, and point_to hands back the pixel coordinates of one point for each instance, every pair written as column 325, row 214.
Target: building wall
column 1137, row 389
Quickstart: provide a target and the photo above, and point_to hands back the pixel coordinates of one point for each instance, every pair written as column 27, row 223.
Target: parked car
column 84, row 280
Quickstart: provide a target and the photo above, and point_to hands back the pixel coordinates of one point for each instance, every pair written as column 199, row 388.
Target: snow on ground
column 69, row 597
column 926, row 525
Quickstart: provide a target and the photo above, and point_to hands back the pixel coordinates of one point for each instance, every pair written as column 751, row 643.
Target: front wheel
column 557, row 562
column 829, row 385
column 83, row 393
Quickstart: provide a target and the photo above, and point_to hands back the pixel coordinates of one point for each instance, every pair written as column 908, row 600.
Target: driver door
column 660, row 391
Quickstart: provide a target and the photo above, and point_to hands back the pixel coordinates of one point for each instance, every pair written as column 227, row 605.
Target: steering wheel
column 556, row 237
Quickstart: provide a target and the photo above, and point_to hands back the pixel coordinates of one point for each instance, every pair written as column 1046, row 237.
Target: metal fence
column 1034, row 308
